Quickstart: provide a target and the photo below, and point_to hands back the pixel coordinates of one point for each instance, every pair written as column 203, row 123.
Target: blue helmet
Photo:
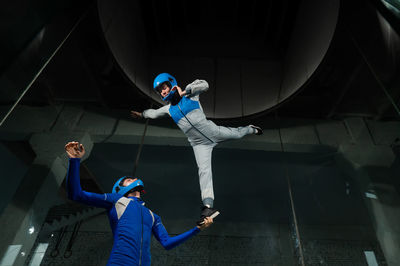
column 137, row 185
column 171, row 82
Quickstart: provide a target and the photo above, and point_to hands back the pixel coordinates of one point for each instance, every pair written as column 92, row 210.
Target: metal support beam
column 345, row 89
column 40, row 70
column 378, row 80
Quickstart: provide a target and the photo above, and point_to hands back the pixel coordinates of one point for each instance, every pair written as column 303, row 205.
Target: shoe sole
column 215, row 214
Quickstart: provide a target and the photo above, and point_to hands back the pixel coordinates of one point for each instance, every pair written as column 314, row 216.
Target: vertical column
column 37, row 192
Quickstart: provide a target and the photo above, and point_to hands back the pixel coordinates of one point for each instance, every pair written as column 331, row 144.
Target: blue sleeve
column 166, row 241
column 75, row 192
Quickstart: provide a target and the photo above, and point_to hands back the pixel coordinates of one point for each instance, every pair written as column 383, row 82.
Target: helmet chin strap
column 133, row 194
column 136, row 190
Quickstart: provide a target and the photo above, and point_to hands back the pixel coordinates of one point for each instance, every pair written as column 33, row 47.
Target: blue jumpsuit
column 131, row 222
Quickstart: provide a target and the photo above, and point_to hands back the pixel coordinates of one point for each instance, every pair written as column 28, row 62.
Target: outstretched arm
column 168, row 242
column 152, row 113
column 75, row 152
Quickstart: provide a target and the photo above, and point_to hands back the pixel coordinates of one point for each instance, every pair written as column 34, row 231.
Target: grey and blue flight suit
column 202, row 134
column 131, row 222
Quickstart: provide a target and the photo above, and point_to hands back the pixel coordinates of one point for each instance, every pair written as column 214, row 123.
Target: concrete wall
column 255, row 226
column 13, row 169
column 205, row 248
column 332, row 164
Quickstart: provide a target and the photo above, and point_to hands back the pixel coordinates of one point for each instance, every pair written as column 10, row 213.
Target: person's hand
column 74, row 149
column 180, row 91
column 136, row 115
column 207, row 222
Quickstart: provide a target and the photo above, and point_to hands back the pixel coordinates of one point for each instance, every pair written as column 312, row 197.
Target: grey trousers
column 203, row 154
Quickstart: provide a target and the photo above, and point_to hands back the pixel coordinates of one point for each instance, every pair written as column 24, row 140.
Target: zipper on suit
column 141, row 239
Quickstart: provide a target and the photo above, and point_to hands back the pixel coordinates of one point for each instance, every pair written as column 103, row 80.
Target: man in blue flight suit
column 185, row 109
column 131, row 222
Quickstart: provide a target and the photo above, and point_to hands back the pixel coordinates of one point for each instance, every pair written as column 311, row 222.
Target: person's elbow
column 167, row 245
column 74, row 195
column 204, row 84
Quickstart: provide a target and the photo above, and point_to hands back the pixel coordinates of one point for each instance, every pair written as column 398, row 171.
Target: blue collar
column 136, row 199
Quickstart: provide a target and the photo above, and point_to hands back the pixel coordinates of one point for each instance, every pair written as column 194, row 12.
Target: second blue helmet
column 136, row 185
column 165, row 78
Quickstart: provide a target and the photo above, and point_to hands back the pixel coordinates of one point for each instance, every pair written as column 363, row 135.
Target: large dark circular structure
column 250, row 68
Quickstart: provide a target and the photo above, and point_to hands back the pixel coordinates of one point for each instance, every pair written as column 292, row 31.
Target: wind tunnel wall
column 239, row 85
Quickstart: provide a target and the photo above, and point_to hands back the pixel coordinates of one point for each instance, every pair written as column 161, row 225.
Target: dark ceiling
column 84, row 71
column 230, row 23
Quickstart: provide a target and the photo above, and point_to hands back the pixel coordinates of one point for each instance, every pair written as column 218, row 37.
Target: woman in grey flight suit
column 185, row 109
